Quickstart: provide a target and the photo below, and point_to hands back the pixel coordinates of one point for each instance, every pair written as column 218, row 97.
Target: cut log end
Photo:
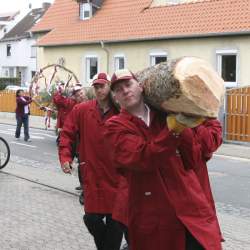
column 187, row 85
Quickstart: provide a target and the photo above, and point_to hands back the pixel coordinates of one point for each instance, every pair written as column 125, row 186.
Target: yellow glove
column 174, row 125
column 190, row 121
column 177, row 123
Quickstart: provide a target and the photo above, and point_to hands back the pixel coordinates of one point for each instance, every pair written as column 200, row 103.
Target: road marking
column 232, row 157
column 51, row 136
column 5, row 132
column 31, row 135
column 23, row 144
column 37, row 133
column 217, row 174
column 54, row 155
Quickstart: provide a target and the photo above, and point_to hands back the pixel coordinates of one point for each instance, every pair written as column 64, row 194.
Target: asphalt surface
column 39, row 206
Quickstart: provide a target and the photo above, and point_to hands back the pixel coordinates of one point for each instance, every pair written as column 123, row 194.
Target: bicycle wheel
column 4, row 153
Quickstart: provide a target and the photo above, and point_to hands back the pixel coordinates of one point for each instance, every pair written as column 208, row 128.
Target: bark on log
column 187, row 85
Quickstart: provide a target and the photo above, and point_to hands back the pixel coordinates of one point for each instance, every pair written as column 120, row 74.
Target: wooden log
column 188, row 85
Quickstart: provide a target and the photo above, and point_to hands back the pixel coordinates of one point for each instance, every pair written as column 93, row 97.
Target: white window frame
column 116, row 61
column 174, row 1
column 219, row 54
column 33, row 51
column 153, row 55
column 87, row 66
column 11, row 72
column 85, row 7
column 5, row 72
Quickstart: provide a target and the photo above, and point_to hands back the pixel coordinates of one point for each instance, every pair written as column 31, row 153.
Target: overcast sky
column 13, row 5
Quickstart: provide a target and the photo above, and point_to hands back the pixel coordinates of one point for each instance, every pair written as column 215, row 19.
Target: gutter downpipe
column 107, row 54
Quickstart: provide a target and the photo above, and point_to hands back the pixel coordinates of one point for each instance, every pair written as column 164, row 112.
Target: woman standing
column 22, row 114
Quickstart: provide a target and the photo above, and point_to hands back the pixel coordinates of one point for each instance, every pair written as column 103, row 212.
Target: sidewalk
column 34, row 121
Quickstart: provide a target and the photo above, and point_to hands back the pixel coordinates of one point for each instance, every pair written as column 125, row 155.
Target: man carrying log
column 100, row 179
column 170, row 205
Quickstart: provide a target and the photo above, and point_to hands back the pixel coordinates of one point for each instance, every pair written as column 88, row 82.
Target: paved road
column 38, row 217
column 41, row 152
column 230, row 180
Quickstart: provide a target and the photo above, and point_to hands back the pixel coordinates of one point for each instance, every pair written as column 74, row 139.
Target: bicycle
column 4, row 153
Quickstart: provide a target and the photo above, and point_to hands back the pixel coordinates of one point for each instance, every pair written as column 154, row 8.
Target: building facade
column 138, row 34
column 18, row 48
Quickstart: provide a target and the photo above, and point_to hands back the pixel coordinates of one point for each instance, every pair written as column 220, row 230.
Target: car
column 15, row 88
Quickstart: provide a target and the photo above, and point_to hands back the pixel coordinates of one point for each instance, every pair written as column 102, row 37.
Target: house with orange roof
column 17, row 46
column 90, row 36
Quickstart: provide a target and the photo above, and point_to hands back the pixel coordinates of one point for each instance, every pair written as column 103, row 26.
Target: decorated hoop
column 47, row 80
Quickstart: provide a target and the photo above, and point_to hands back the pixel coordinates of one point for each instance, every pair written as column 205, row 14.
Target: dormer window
column 88, row 8
column 85, row 11
column 156, row 3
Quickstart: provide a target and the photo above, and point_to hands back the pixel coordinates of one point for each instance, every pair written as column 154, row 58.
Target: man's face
column 128, row 93
column 80, row 96
column 102, row 91
column 21, row 93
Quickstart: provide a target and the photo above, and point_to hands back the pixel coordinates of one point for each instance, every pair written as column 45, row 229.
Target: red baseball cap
column 101, row 78
column 76, row 88
column 120, row 75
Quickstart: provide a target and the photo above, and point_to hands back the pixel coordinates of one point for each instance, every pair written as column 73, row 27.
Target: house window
column 6, row 73
column 227, row 66
column 85, row 10
column 119, row 62
column 33, row 74
column 157, row 57
column 11, row 72
column 33, row 51
column 8, row 51
column 91, row 67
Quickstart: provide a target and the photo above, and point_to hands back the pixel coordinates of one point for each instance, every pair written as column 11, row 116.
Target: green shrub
column 4, row 81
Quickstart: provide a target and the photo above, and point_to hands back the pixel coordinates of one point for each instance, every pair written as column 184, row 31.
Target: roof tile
column 119, row 20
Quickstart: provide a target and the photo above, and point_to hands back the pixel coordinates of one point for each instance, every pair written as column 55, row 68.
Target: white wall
column 20, row 56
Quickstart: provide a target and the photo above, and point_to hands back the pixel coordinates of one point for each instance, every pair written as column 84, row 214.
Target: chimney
column 45, row 5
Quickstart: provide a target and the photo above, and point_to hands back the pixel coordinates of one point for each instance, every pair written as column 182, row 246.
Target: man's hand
column 178, row 122
column 174, row 125
column 190, row 121
column 66, row 167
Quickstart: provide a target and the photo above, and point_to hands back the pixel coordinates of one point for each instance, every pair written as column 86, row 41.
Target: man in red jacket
column 100, row 179
column 170, row 203
column 65, row 104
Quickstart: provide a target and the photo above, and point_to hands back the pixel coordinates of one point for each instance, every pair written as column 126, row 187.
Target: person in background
column 22, row 114
column 64, row 106
column 100, row 179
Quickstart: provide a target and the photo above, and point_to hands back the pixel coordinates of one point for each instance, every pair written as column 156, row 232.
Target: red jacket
column 20, row 103
column 64, row 105
column 120, row 209
column 164, row 196
column 100, row 179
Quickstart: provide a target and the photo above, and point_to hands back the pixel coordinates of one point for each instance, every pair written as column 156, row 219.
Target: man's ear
column 141, row 87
